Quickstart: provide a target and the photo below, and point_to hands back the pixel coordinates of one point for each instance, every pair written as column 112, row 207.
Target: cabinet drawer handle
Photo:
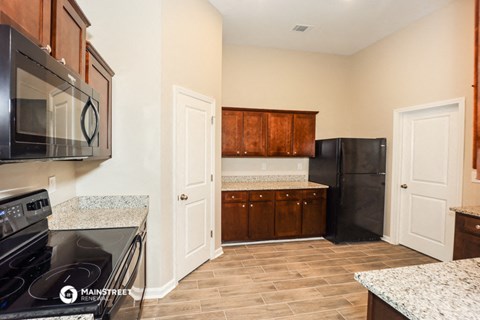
column 477, row 227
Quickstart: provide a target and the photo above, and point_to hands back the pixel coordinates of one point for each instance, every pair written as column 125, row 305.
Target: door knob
column 183, row 197
column 404, row 186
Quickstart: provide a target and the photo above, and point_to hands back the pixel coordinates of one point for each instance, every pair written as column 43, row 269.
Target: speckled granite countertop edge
column 444, row 290
column 270, row 185
column 469, row 210
column 94, row 212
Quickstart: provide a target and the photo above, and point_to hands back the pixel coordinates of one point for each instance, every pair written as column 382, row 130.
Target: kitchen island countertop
column 444, row 290
column 99, row 212
column 270, row 185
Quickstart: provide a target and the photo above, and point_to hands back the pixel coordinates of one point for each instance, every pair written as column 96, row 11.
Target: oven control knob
column 32, row 206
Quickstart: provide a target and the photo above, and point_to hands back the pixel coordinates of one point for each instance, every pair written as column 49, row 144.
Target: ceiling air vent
column 301, row 28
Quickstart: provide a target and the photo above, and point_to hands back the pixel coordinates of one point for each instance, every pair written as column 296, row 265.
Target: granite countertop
column 270, row 185
column 445, row 290
column 99, row 212
column 470, row 210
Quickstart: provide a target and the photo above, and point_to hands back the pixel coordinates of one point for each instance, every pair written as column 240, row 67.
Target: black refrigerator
column 354, row 170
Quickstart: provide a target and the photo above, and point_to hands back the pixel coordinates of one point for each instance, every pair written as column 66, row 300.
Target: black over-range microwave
column 46, row 112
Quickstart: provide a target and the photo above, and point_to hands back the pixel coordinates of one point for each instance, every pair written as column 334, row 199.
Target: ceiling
column 337, row 26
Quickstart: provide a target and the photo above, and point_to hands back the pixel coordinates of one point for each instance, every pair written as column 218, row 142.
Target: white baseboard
column 218, row 253
column 158, row 293
column 270, row 241
column 387, row 239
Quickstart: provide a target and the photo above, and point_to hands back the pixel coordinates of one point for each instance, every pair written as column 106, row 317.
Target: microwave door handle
column 82, row 121
column 116, row 300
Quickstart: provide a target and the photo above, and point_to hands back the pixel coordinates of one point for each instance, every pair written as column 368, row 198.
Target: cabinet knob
column 245, row 152
column 47, row 48
column 243, row 206
column 305, row 202
column 298, row 203
column 295, row 152
column 314, row 194
column 288, row 152
column 238, row 152
column 62, row 61
column 261, row 196
column 477, row 227
column 287, row 195
column 251, row 205
column 233, row 197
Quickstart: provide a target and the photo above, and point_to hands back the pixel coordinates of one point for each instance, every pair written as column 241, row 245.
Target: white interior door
column 193, row 180
column 430, row 179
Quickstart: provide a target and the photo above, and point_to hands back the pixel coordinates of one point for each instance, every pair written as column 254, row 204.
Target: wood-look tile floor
column 290, row 280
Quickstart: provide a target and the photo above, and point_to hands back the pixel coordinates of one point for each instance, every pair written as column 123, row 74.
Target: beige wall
column 431, row 60
column 152, row 47
column 269, row 78
column 192, row 59
column 22, row 177
column 128, row 37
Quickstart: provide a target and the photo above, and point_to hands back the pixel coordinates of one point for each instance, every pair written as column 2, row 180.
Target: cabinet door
column 313, row 218
column 99, row 75
column 33, row 21
column 261, row 217
column 69, row 28
column 304, row 135
column 467, row 237
column 288, row 219
column 254, row 134
column 232, row 133
column 234, row 221
column 279, row 134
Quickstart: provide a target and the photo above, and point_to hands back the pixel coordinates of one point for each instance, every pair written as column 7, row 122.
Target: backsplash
column 268, row 178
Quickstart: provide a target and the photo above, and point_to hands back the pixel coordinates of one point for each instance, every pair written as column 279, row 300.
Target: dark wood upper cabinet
column 232, row 133
column 33, row 22
column 254, row 134
column 267, row 133
column 279, row 134
column 98, row 74
column 303, row 135
column 69, row 30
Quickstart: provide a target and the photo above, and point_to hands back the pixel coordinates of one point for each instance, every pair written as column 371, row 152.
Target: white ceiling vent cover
column 301, row 28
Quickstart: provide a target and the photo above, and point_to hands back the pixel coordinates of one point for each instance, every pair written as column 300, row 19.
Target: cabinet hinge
column 211, row 177
column 211, row 119
column 211, row 233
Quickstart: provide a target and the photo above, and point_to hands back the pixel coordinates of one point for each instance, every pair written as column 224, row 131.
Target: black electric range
column 53, row 273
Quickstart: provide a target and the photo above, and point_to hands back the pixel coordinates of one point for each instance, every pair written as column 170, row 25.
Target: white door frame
column 397, row 152
column 180, row 90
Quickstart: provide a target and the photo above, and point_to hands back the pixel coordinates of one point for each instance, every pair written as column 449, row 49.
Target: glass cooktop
column 43, row 276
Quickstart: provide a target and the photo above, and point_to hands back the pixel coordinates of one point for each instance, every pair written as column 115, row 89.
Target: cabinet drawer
column 314, row 194
column 234, row 196
column 288, row 195
column 261, row 196
column 469, row 224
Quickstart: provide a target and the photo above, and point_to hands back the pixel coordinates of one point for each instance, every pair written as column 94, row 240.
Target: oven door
column 131, row 276
column 50, row 118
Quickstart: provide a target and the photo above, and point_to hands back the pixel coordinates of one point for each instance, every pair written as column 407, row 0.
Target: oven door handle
column 137, row 240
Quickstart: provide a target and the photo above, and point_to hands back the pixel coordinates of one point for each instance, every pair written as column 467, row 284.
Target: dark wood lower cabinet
column 267, row 215
column 467, row 237
column 288, row 218
column 234, row 221
column 380, row 310
column 261, row 220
